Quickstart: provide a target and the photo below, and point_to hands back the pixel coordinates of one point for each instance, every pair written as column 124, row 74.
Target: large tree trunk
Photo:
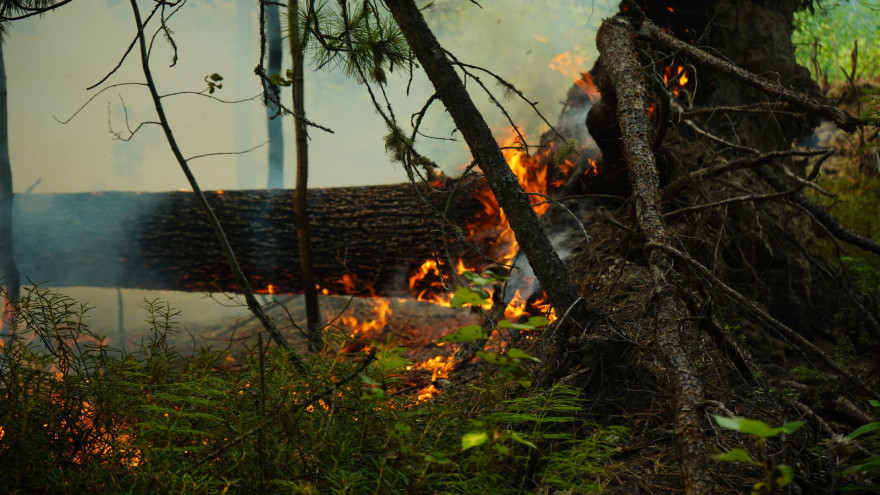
column 300, row 195
column 9, row 275
column 376, row 235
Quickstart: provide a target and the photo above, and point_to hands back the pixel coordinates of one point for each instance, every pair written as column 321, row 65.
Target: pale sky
column 51, row 60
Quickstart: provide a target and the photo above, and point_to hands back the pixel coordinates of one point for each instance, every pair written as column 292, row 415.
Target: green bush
column 80, row 417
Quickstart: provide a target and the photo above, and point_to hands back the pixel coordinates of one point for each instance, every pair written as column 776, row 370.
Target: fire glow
column 573, row 67
column 675, row 78
column 431, row 281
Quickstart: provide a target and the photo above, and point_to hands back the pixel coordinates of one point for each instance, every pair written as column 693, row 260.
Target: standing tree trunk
column 10, row 276
column 276, row 136
column 301, row 212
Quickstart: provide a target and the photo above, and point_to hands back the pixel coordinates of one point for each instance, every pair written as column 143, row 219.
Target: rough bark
column 624, row 78
column 300, row 202
column 532, row 239
column 163, row 241
column 9, row 274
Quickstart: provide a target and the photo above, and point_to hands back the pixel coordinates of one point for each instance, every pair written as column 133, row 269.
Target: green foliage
column 776, row 476
column 831, row 31
column 864, row 465
column 213, row 82
column 355, row 39
column 79, row 417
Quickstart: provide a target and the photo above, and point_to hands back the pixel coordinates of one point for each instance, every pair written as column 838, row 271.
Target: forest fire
column 574, row 67
column 675, row 78
column 431, row 281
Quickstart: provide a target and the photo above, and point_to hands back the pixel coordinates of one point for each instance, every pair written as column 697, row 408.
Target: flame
column 270, row 289
column 440, row 366
column 357, row 329
column 219, row 191
column 675, row 77
column 435, row 291
column 574, row 67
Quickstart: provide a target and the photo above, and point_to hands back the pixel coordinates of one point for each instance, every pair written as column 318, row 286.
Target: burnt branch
column 842, row 119
column 624, row 74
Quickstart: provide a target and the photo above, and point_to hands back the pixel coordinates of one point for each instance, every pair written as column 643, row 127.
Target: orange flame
column 675, row 77
column 574, row 67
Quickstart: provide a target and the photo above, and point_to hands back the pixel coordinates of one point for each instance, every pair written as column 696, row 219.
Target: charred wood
column 367, row 239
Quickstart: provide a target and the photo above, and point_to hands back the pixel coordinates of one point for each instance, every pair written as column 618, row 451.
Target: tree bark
column 9, row 274
column 532, row 239
column 163, row 241
column 623, row 79
column 300, row 202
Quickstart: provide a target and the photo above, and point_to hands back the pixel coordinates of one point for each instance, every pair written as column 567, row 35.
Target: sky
column 53, row 59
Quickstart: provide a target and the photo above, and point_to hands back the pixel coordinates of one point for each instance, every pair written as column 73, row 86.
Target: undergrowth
column 78, row 416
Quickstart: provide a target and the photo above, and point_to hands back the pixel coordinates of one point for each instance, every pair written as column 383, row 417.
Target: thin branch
column 84, row 105
column 124, row 55
column 240, row 278
column 728, row 201
column 728, row 166
column 840, row 117
column 752, row 308
column 225, row 153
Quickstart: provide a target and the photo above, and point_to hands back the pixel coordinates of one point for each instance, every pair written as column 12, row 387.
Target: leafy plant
column 776, row 476
column 826, row 35
column 869, row 465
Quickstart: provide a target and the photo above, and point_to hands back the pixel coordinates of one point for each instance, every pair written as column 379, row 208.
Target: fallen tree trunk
column 365, row 238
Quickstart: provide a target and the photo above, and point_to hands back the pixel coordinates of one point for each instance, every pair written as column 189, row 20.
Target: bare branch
column 242, row 281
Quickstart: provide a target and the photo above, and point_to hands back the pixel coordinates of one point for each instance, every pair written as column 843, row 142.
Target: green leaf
column 391, row 362
column 470, row 333
column 520, row 354
column 515, row 326
column 489, row 357
column 216, row 77
column 519, row 439
column 367, row 380
column 756, row 427
column 538, row 321
column 784, row 475
column 477, row 279
column 736, row 455
column 861, row 430
column 875, row 403
column 873, row 464
column 469, row 295
column 473, row 439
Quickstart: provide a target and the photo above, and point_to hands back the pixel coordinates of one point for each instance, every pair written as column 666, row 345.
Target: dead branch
column 841, row 118
column 619, row 63
column 242, row 281
column 738, row 199
column 821, row 215
column 752, row 308
column 753, row 161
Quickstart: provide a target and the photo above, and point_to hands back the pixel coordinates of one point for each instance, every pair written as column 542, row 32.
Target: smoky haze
column 52, row 59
